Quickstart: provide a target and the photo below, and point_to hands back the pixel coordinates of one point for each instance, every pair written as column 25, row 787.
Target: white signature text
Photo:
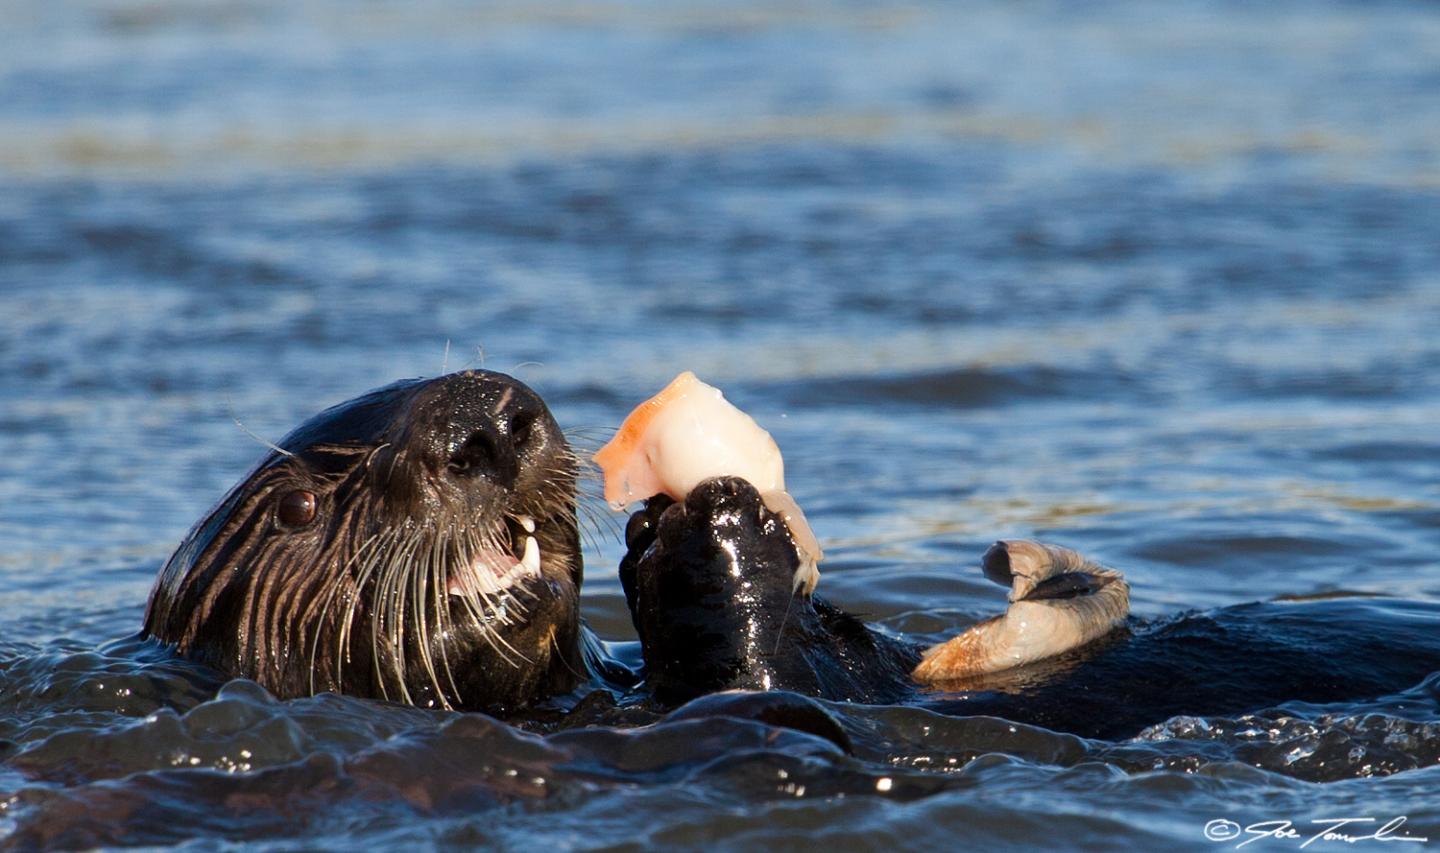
column 1348, row 830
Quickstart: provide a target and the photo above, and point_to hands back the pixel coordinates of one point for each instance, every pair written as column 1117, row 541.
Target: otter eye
column 297, row 508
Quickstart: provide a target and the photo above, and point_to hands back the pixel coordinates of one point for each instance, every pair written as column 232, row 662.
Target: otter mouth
column 495, row 569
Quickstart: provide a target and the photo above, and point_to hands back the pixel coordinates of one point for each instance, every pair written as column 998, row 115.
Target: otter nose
column 487, row 452
column 497, row 442
column 477, row 429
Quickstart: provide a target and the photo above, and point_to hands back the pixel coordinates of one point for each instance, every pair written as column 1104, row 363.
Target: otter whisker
column 230, row 404
column 362, row 584
column 585, row 440
column 386, row 620
column 362, row 578
column 416, row 590
column 335, row 581
column 370, row 457
column 394, row 460
column 597, row 526
column 324, row 603
column 440, row 583
column 396, row 600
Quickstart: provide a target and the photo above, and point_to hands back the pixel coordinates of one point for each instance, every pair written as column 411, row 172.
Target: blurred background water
column 1157, row 281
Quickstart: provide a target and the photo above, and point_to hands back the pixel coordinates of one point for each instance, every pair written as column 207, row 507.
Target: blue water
column 1158, row 282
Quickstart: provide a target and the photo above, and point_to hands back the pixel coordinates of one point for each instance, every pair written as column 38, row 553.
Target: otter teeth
column 486, row 578
column 527, row 522
column 531, row 558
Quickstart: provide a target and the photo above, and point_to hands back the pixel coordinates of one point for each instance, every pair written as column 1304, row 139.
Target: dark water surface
column 1158, row 282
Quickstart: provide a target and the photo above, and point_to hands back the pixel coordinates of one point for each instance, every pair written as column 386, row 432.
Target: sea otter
column 420, row 544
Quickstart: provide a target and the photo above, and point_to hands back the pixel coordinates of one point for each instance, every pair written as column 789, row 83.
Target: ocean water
column 1159, row 282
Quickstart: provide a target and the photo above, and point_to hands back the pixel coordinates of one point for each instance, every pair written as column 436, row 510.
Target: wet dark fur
column 410, row 480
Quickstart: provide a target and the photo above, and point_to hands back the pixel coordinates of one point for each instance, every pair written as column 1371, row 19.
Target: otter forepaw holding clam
column 689, row 433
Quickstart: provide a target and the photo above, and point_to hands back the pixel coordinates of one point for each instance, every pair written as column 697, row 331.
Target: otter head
column 417, row 544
